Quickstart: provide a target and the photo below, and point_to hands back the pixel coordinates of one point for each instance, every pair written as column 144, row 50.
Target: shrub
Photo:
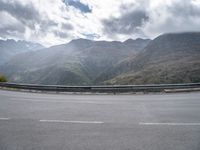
column 3, row 78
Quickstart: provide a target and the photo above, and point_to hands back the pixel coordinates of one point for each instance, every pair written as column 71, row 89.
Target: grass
column 3, row 78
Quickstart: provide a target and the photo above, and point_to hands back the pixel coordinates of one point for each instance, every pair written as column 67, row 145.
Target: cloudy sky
column 52, row 22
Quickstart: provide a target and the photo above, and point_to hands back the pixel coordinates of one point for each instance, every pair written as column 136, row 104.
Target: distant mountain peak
column 80, row 40
column 135, row 40
column 180, row 33
column 128, row 40
column 78, row 62
column 11, row 47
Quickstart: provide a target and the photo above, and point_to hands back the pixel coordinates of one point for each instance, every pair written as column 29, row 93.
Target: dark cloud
column 184, row 9
column 46, row 25
column 67, row 26
column 137, row 19
column 27, row 14
column 126, row 24
column 78, row 5
column 61, row 34
column 12, row 30
column 178, row 16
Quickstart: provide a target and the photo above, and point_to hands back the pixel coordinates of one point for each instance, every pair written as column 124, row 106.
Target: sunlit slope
column 170, row 58
column 79, row 62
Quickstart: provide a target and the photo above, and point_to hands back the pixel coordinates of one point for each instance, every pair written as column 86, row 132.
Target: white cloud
column 51, row 22
column 172, row 16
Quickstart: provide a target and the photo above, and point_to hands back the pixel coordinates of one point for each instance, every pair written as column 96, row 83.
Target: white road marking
column 169, row 124
column 65, row 121
column 4, row 118
column 59, row 101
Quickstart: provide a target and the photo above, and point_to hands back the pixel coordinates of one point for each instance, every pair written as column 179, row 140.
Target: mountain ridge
column 82, row 59
column 10, row 48
column 168, row 51
column 169, row 58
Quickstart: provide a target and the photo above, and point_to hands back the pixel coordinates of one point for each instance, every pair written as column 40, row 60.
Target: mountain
column 169, row 58
column 10, row 48
column 78, row 62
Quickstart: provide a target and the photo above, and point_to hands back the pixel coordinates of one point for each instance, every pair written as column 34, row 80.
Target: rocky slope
column 169, row 58
column 78, row 62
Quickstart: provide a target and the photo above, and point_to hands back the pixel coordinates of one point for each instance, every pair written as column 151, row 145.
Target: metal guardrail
column 101, row 89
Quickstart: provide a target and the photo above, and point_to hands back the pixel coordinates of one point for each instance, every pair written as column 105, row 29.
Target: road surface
column 32, row 121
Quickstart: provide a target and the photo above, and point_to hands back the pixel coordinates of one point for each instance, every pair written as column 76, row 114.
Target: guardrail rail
column 101, row 89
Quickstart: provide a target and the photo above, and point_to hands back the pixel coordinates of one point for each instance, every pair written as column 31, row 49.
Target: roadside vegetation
column 3, row 78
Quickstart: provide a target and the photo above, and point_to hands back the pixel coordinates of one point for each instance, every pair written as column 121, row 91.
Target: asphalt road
column 31, row 121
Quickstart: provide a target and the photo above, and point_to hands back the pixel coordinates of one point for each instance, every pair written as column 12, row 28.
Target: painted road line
column 66, row 121
column 168, row 124
column 4, row 118
column 60, row 101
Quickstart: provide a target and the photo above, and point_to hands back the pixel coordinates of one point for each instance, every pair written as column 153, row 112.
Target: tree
column 3, row 78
